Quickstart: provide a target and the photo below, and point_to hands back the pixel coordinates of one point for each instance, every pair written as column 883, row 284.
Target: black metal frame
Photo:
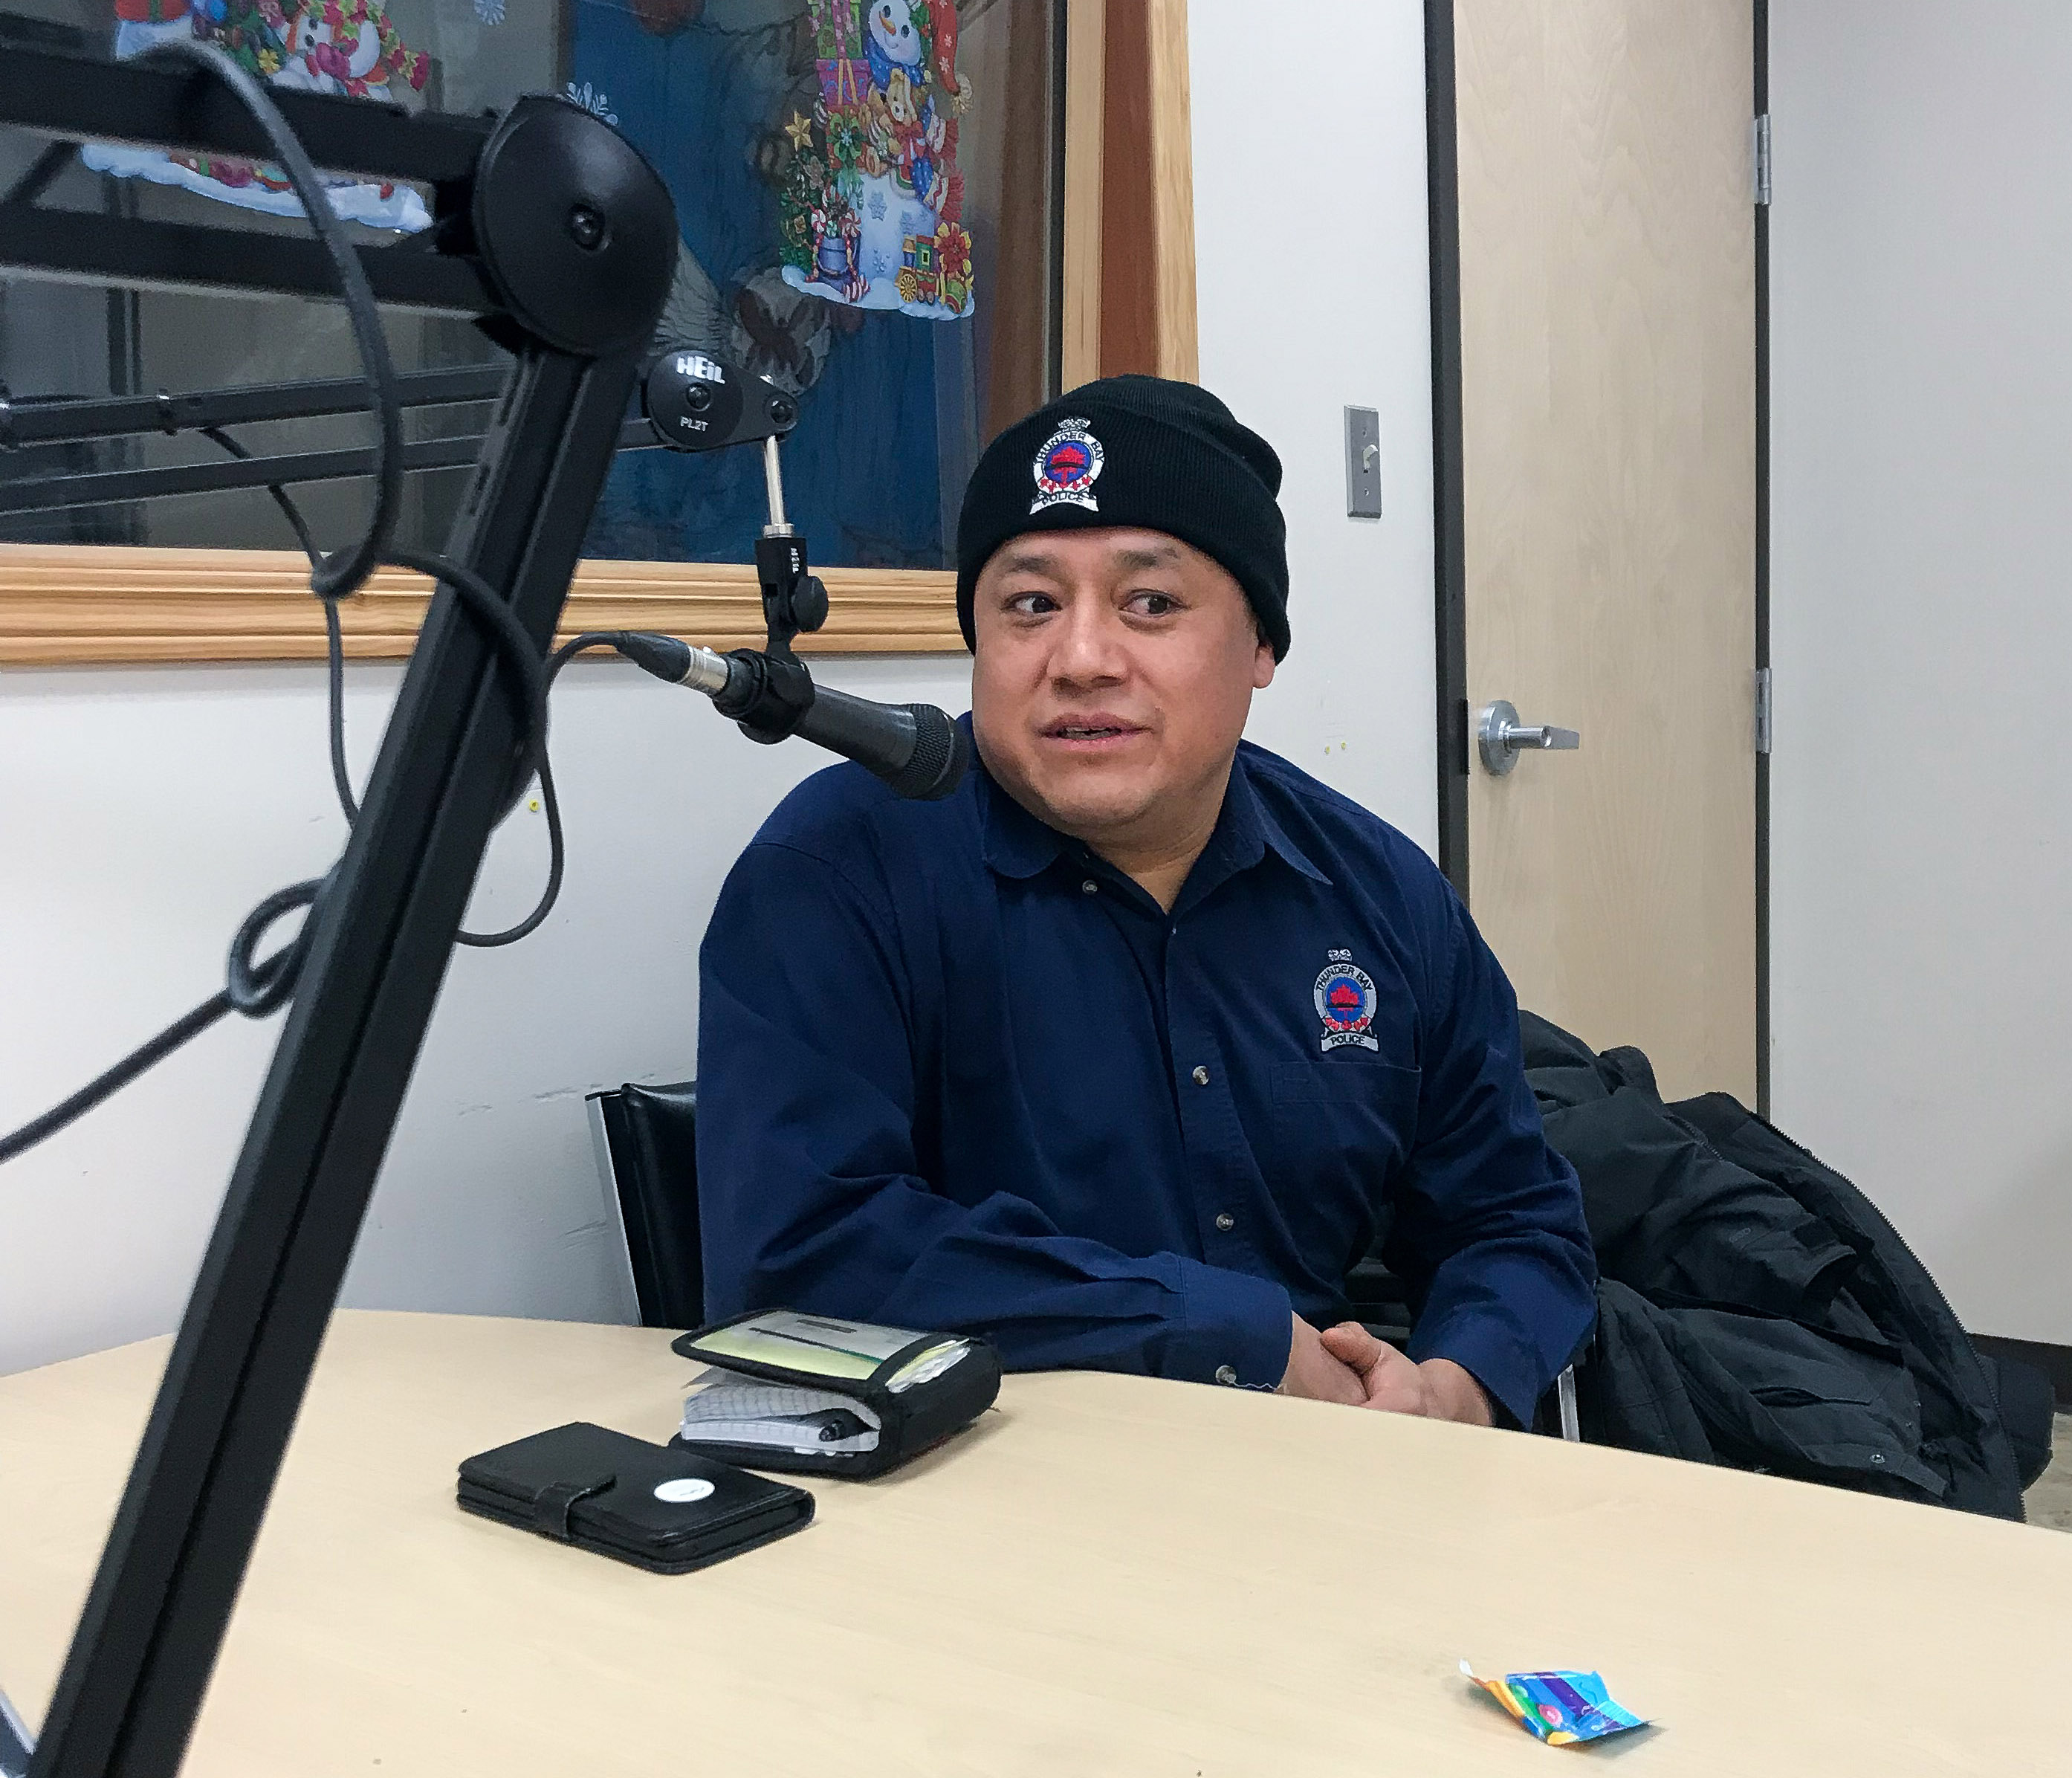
column 1054, row 333
column 1761, row 102
column 43, row 421
column 1449, row 628
column 508, row 249
column 75, row 97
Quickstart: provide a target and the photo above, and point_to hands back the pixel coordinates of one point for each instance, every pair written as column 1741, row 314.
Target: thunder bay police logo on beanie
column 1345, row 1000
column 1066, row 467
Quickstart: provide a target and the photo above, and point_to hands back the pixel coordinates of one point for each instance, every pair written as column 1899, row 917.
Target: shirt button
column 1226, row 1221
column 1201, row 1077
column 1090, row 888
column 1225, row 1373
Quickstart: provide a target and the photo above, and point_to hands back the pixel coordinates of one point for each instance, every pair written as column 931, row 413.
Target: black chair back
column 16, row 1742
column 647, row 1141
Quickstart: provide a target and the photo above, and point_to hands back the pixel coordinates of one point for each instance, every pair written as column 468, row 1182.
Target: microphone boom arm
column 551, row 230
column 558, row 239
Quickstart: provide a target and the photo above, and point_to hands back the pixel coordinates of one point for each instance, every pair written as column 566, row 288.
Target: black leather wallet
column 666, row 1510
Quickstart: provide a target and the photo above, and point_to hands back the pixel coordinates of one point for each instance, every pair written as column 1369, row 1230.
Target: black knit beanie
column 1138, row 451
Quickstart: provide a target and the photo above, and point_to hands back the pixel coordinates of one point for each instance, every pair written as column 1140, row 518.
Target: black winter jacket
column 1754, row 1308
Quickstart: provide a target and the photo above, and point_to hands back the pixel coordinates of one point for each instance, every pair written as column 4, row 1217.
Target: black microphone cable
column 257, row 986
column 334, row 677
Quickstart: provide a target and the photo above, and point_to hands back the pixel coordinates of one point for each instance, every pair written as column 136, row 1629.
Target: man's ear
column 1262, row 662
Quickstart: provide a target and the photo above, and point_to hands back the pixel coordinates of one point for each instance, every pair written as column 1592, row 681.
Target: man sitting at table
column 1128, row 1050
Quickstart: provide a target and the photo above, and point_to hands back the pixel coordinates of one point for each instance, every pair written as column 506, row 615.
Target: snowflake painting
column 595, row 103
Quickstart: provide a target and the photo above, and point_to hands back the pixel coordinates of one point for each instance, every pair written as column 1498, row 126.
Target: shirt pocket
column 1386, row 1088
column 1339, row 1131
column 1342, row 1127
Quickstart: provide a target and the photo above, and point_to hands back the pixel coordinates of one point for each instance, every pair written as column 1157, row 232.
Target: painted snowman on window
column 871, row 210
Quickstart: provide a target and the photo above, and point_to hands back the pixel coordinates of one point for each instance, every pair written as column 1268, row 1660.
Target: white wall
column 1922, row 480
column 1311, row 251
column 142, row 811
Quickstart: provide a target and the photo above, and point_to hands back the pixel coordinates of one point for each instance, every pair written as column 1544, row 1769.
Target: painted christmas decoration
column 870, row 210
column 345, row 47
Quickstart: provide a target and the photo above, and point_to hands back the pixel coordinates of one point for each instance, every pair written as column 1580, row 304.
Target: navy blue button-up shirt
column 956, row 1072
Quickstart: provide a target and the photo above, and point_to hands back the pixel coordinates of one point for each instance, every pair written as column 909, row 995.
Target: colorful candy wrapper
column 1564, row 1710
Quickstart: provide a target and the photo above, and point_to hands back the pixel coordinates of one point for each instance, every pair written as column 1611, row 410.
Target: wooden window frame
column 1128, row 184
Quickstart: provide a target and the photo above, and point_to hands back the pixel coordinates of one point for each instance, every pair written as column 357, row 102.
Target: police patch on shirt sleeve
column 1345, row 1001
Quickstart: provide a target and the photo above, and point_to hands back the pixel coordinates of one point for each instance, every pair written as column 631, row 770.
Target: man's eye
column 1031, row 604
column 1149, row 604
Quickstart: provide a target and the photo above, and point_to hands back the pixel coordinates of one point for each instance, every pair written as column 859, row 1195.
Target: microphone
column 914, row 749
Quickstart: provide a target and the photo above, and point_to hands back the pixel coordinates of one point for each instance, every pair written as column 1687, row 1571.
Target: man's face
column 1113, row 671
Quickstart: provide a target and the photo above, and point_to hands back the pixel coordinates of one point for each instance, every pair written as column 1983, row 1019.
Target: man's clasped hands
column 1347, row 1364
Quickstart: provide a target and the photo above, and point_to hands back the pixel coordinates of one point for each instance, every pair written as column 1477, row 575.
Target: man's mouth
column 1094, row 730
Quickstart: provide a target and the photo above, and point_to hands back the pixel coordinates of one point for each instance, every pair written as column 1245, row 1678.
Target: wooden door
column 1607, row 273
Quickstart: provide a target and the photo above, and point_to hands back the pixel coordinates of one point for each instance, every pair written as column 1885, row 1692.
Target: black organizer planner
column 905, row 1390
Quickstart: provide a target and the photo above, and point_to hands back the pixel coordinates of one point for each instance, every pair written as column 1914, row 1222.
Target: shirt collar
column 1016, row 844
column 1245, row 831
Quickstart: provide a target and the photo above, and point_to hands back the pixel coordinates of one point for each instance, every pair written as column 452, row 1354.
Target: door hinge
column 1759, row 137
column 1762, row 717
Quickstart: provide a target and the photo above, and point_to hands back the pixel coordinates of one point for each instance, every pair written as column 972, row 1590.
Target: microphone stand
column 555, row 235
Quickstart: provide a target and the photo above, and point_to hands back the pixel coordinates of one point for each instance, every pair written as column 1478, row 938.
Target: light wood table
column 1107, row 1575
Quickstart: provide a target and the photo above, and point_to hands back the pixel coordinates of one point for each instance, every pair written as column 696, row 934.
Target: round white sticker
column 683, row 1490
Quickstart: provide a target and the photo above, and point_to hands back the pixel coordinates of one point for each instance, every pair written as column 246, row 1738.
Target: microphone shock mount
column 694, row 403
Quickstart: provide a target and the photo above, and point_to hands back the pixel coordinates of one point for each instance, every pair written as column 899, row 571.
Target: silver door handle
column 1502, row 737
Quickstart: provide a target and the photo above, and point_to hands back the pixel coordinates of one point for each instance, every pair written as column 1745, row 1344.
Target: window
column 869, row 195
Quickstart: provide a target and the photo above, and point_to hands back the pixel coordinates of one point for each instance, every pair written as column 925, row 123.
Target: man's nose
column 1089, row 646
